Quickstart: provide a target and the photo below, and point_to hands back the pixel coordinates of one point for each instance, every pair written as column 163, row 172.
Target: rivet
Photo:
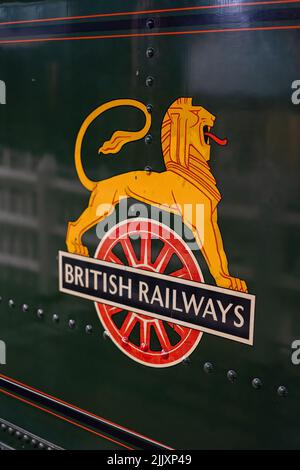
column 186, row 361
column 10, row 431
column 282, row 391
column 18, row 435
column 256, row 383
column 125, row 339
column 25, row 438
column 72, row 323
column 208, row 367
column 105, row 334
column 49, row 448
column 25, row 308
column 231, row 375
column 148, row 169
column 88, row 329
column 150, row 23
column 3, row 427
column 55, row 318
column 40, row 312
column 148, row 139
column 149, row 81
column 41, row 446
column 144, row 346
column 150, row 52
column 33, row 442
column 149, row 108
column 11, row 303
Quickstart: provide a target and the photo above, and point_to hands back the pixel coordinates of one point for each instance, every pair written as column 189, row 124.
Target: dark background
column 244, row 78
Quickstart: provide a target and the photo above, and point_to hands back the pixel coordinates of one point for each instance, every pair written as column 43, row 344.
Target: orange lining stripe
column 65, row 419
column 166, row 33
column 146, row 12
column 80, row 409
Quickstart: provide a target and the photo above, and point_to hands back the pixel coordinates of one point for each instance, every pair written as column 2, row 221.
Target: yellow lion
column 185, row 139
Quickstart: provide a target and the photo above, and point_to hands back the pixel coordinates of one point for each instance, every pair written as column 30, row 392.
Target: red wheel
column 149, row 245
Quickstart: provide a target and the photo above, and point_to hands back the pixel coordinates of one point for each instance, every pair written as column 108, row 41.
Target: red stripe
column 80, row 409
column 64, row 419
column 147, row 12
column 136, row 35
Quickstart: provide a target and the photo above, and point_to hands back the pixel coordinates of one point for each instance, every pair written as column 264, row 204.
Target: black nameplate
column 211, row 309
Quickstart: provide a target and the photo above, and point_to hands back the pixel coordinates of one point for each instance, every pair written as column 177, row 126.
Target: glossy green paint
column 244, row 78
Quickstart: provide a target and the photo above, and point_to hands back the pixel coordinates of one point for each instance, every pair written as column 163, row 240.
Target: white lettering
column 210, row 310
column 174, row 303
column 69, row 278
column 192, row 303
column 239, row 316
column 96, row 274
column 157, row 297
column 78, row 275
column 113, row 289
column 124, row 286
column 224, row 311
column 143, row 290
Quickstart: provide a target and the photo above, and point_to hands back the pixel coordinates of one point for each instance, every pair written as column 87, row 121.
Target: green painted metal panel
column 55, row 73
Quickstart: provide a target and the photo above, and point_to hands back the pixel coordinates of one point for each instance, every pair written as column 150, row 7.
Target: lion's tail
column 117, row 140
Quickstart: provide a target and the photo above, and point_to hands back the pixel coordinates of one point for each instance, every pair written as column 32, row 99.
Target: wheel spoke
column 182, row 272
column 163, row 258
column 111, row 310
column 128, row 324
column 180, row 330
column 129, row 251
column 113, row 258
column 162, row 335
column 146, row 249
column 145, row 332
column 167, row 343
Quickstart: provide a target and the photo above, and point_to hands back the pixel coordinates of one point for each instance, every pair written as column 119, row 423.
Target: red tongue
column 216, row 139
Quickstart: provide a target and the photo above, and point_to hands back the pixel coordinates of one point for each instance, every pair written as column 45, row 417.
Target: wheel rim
column 147, row 340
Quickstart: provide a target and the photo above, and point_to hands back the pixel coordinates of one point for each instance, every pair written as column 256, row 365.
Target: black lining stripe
column 83, row 417
column 251, row 17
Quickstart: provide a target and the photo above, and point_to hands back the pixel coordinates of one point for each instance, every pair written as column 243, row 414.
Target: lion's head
column 186, row 129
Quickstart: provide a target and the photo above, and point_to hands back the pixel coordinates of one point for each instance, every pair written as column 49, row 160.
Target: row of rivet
column 55, row 316
column 208, row 367
column 24, row 437
column 150, row 23
column 256, row 382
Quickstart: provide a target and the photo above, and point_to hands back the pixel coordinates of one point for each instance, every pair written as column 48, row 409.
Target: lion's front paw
column 77, row 248
column 233, row 283
column 73, row 242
